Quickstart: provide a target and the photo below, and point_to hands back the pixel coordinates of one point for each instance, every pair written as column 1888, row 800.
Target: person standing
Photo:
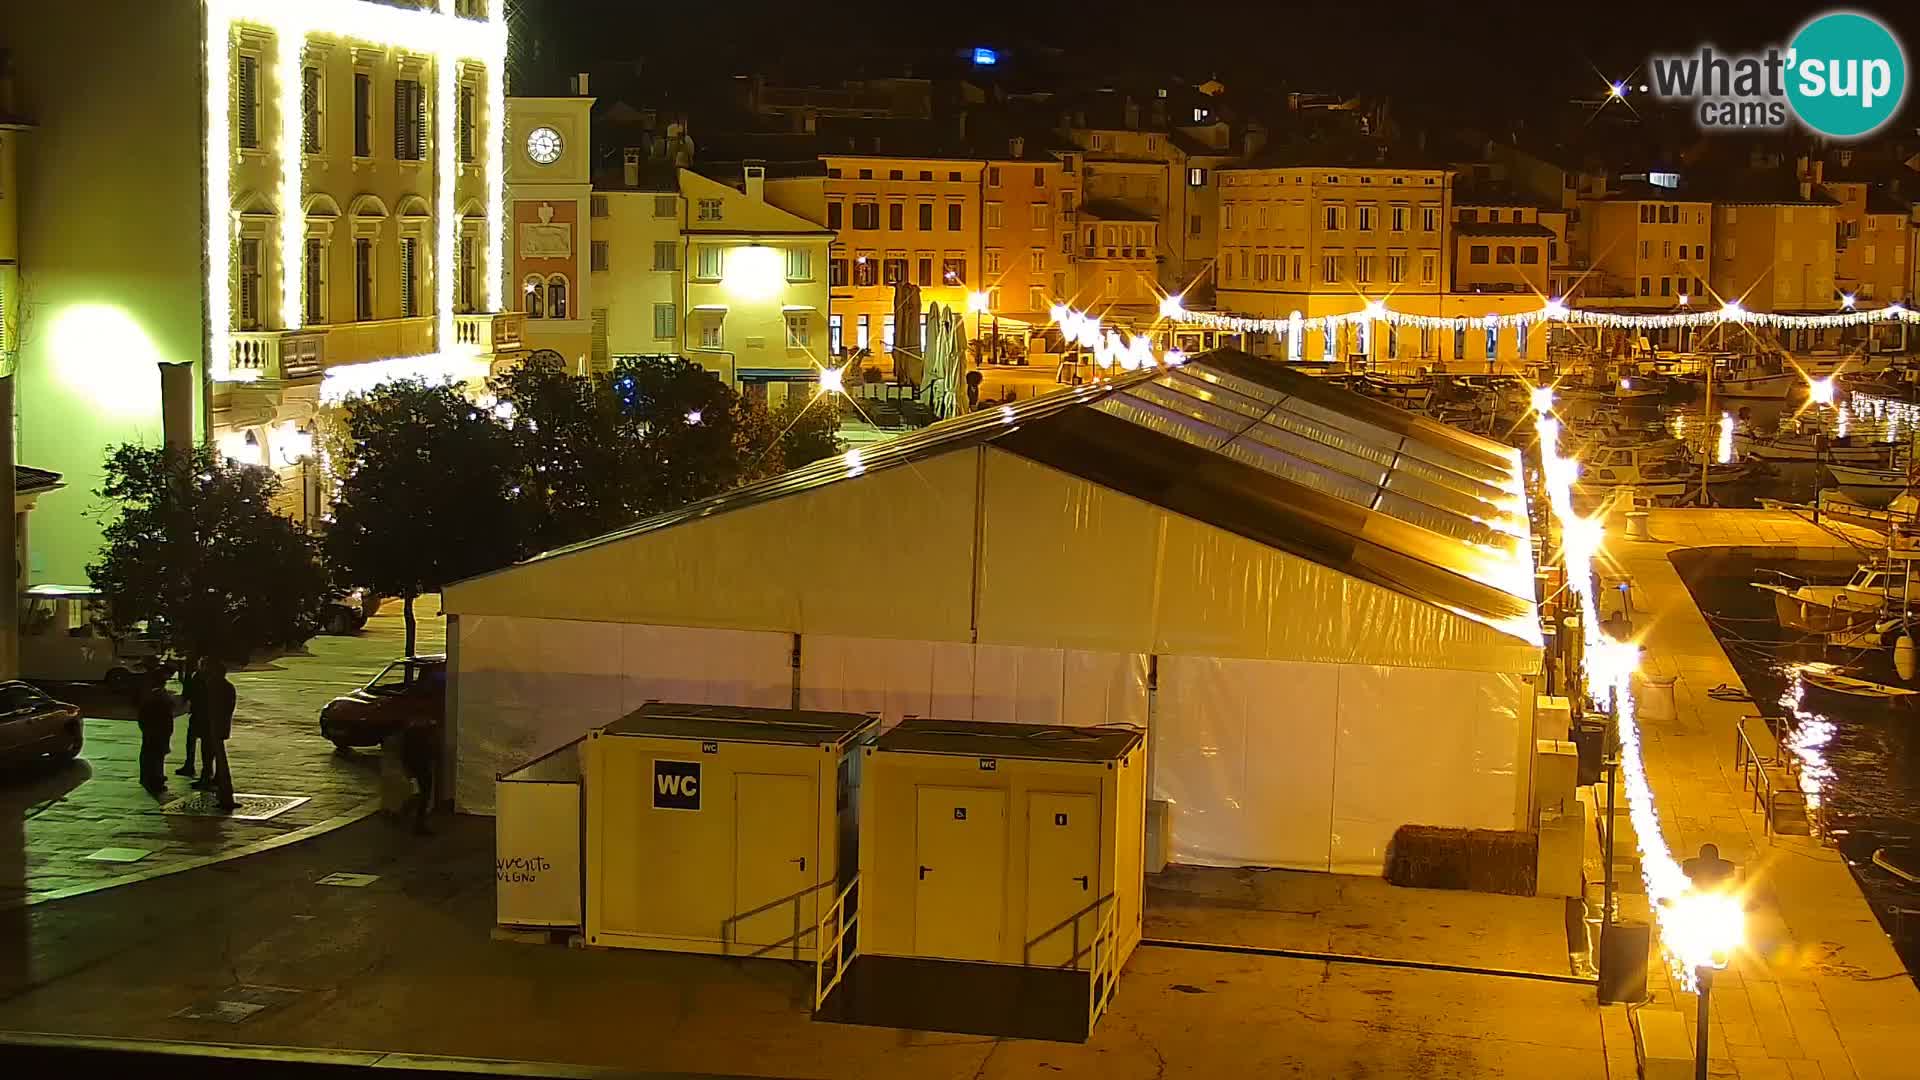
column 219, row 697
column 156, row 732
column 196, row 717
column 420, row 754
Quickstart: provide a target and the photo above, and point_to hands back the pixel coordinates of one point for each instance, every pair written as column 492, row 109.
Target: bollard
column 1637, row 525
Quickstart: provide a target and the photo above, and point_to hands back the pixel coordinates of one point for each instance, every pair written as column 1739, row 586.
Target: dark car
column 407, row 690
column 34, row 726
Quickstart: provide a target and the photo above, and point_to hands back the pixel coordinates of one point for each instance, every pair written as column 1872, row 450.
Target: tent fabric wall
column 526, row 685
column 1001, row 684
column 897, row 540
column 1314, row 766
column 1146, row 580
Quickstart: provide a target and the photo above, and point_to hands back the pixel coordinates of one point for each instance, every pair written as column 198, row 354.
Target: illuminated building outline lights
column 445, row 38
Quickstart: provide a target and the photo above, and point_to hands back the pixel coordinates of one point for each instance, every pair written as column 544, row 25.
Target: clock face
column 543, row 145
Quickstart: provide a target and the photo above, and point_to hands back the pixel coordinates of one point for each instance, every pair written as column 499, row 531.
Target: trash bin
column 1653, row 697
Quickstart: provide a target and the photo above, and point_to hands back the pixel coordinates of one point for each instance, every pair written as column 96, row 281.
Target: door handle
column 1082, row 879
column 923, row 872
column 802, row 860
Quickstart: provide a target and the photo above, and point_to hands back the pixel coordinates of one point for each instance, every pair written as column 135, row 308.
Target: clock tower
column 550, row 224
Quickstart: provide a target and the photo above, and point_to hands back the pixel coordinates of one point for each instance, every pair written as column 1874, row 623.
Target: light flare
column 1723, row 453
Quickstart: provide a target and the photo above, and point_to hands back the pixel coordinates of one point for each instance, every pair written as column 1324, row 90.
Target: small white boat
column 1829, row 678
column 1657, row 470
column 1840, row 449
column 1831, row 609
column 1873, row 487
column 1408, row 392
column 1901, row 863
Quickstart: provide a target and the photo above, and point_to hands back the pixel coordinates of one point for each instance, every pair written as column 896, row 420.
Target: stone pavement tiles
column 52, row 819
column 1820, row 992
column 405, row 964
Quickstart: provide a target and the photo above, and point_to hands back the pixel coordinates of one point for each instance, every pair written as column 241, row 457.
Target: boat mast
column 1707, row 424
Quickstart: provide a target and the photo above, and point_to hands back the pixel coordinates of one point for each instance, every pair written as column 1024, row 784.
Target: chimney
column 580, row 83
column 1016, row 147
column 756, row 186
column 630, row 167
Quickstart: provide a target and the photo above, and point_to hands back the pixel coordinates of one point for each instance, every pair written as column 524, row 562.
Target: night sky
column 1489, row 57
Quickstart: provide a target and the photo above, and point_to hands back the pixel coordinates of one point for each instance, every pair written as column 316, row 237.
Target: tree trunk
column 407, row 607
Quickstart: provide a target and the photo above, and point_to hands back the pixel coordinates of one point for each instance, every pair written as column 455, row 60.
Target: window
column 896, row 174
column 664, row 322
column 1037, row 261
column 926, row 217
column 1396, row 269
column 713, row 332
column 798, row 332
column 665, row 206
column 1429, row 268
column 410, row 278
column 833, row 174
column 834, row 329
column 246, row 101
column 1259, row 266
column 993, row 176
column 896, row 215
column 1397, row 219
column 993, row 261
column 833, row 216
column 1666, row 286
column 993, row 215
column 1477, row 254
column 709, row 210
column 954, row 177
column 836, row 272
column 598, row 256
column 314, row 309
column 409, row 120
column 310, row 100
column 1097, row 141
column 1492, row 346
column 1729, row 216
column 249, row 283
column 953, row 217
column 866, row 270
column 1699, row 251
column 663, row 255
column 926, row 174
column 1530, row 255
column 1196, row 177
column 1646, row 214
column 1363, row 268
column 1036, row 298
column 597, row 206
column 1646, row 249
column 1042, row 215
column 362, row 114
column 1366, row 218
column 866, row 174
column 1336, row 218
column 469, row 126
column 1520, row 334
column 1504, row 255
column 861, row 331
column 1666, row 249
column 923, row 270
column 866, row 215
column 363, row 280
column 1193, row 224
column 535, row 291
column 1429, row 218
column 953, row 271
column 886, row 332
column 1459, row 343
column 799, row 264
column 712, row 261
column 1329, row 268
column 894, row 270
column 1699, row 287
column 1646, row 286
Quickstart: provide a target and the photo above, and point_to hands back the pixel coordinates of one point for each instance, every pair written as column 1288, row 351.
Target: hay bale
column 1476, row 860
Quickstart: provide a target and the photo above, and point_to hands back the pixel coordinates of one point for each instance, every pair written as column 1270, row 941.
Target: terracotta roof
column 1501, row 228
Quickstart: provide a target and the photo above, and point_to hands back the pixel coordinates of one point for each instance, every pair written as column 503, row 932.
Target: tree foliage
column 799, row 432
column 195, row 551
column 429, row 496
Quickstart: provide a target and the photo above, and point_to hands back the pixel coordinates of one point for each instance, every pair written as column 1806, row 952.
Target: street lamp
column 1702, row 928
column 977, row 303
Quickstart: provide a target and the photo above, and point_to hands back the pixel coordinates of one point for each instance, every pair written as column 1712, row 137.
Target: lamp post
column 1704, row 927
column 977, row 303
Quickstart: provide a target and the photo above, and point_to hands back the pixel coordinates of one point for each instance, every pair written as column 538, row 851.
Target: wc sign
column 676, row 785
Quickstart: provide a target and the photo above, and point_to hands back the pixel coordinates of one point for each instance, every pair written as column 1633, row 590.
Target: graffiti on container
column 520, row 869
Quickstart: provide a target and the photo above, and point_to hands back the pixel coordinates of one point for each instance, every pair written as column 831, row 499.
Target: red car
column 35, row 726
column 414, row 688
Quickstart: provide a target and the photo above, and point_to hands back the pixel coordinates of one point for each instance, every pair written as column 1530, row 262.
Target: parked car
column 34, row 726
column 408, row 689
column 63, row 640
column 348, row 612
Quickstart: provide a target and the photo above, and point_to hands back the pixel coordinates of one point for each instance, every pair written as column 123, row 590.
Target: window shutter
column 362, row 115
column 310, row 110
column 419, row 122
column 247, row 96
column 400, row 121
column 598, row 349
column 406, row 278
column 466, row 123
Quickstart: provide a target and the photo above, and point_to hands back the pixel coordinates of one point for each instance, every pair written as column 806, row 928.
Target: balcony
column 277, row 354
column 489, row 333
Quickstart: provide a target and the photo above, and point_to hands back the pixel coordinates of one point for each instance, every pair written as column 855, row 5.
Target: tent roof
column 1247, row 446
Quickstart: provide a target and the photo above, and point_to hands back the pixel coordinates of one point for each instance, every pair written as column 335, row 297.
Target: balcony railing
column 278, row 354
column 495, row 332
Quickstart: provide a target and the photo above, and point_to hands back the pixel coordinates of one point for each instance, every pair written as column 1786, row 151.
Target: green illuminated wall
column 110, row 234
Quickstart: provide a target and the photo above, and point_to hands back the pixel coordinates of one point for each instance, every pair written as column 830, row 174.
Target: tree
column 429, row 496
column 196, row 553
column 687, row 420
column 799, row 432
column 584, row 462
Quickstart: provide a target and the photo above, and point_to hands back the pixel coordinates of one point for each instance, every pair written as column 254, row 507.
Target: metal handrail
column 1756, row 774
column 1101, row 973
column 834, row 944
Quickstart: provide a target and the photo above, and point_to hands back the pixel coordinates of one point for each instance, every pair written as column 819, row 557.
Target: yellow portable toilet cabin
column 718, row 829
column 1000, row 879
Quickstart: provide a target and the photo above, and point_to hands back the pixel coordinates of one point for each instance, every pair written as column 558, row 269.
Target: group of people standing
column 210, row 701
